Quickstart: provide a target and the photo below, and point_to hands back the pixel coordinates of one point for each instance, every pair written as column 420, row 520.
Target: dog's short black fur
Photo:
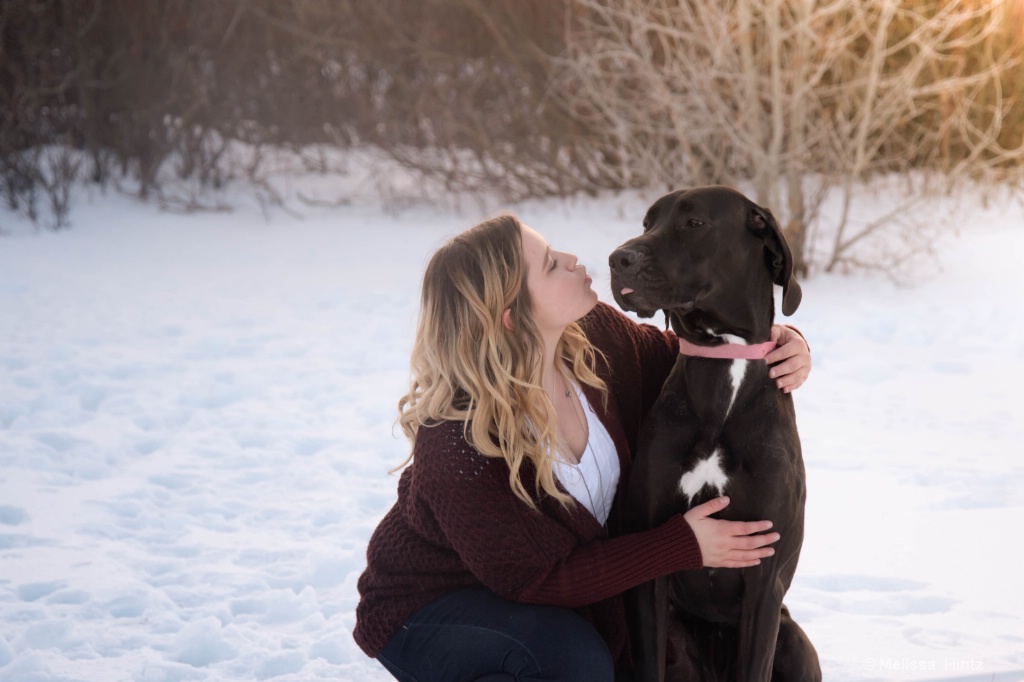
column 710, row 258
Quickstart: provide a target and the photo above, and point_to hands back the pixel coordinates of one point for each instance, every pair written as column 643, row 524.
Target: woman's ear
column 506, row 319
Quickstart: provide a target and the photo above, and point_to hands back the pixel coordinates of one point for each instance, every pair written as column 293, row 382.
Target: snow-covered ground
column 196, row 423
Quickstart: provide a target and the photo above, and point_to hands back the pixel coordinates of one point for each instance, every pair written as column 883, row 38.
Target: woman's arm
column 462, row 501
column 605, row 568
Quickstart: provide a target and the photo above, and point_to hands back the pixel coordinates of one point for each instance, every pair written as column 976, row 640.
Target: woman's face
column 559, row 287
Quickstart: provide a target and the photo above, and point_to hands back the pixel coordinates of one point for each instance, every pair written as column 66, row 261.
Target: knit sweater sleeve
column 463, row 501
column 603, row 568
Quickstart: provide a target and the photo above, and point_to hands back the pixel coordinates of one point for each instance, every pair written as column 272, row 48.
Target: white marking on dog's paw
column 706, row 472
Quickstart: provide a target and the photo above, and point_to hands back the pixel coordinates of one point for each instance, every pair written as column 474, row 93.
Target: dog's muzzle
column 628, row 265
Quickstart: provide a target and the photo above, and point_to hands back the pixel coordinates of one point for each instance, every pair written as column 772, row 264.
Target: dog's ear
column 778, row 257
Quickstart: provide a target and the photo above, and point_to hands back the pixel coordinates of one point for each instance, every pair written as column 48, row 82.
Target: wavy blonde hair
column 468, row 366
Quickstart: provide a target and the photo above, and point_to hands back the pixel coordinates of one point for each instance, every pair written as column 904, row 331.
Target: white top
column 593, row 481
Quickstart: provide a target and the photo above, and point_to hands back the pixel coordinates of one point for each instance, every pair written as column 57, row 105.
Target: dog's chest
column 706, row 473
column 737, row 372
column 709, row 466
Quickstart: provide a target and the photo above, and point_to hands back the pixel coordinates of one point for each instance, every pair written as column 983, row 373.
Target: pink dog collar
column 728, row 351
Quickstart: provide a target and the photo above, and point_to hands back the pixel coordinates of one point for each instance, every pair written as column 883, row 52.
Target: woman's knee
column 564, row 646
column 474, row 633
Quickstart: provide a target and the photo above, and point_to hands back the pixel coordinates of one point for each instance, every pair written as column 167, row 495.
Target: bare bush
column 38, row 120
column 454, row 89
column 793, row 99
column 516, row 98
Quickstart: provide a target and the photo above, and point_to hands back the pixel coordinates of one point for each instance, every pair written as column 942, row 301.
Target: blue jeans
column 475, row 635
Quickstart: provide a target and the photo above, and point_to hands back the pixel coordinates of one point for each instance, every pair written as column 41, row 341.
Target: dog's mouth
column 628, row 299
column 638, row 301
column 646, row 301
column 646, row 289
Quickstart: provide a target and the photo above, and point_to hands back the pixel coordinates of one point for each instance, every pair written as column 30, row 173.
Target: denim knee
column 567, row 647
column 475, row 635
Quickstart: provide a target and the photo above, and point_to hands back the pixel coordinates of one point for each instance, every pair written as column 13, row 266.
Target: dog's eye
column 695, row 223
column 646, row 226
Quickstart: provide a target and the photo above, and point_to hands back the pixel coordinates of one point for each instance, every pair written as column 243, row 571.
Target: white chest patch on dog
column 737, row 371
column 708, row 472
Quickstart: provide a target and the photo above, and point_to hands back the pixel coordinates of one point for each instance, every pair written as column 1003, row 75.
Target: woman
column 503, row 557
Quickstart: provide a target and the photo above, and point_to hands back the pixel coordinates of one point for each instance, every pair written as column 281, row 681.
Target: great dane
column 711, row 259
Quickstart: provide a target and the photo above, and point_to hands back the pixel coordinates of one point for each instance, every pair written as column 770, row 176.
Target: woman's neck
column 551, row 376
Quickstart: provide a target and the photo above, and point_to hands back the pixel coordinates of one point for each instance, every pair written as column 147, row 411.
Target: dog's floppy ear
column 778, row 256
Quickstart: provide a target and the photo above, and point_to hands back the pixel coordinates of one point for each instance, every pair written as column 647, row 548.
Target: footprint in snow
column 12, row 516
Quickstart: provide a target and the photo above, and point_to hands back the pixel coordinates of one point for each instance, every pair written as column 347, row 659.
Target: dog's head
column 710, row 250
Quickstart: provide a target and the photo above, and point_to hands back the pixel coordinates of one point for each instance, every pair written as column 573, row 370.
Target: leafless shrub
column 137, row 86
column 794, row 99
column 516, row 98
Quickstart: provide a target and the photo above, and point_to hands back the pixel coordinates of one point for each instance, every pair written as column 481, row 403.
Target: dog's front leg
column 759, row 624
column 795, row 657
column 650, row 613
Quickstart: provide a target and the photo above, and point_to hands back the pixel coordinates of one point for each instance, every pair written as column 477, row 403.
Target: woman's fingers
column 752, row 542
column 791, row 360
column 791, row 374
column 739, row 564
column 751, row 556
column 747, row 528
column 708, row 508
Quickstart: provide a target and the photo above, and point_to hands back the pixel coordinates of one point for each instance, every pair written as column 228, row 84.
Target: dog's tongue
column 626, row 290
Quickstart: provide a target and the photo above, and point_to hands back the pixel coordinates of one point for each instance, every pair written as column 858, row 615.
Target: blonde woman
column 502, row 558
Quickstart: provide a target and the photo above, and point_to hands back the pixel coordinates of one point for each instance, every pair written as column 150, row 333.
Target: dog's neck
column 731, row 350
column 700, row 329
column 719, row 379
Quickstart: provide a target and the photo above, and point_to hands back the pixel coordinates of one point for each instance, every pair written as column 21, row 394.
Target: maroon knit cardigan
column 457, row 524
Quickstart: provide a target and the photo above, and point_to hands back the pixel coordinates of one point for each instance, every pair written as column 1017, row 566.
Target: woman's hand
column 729, row 544
column 793, row 356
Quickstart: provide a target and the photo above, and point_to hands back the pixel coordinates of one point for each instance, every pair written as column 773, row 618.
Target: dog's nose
column 623, row 258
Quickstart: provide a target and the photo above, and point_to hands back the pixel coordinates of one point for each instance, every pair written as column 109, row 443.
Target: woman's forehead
column 533, row 243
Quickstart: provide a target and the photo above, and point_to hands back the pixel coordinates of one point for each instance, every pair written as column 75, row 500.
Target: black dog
column 710, row 258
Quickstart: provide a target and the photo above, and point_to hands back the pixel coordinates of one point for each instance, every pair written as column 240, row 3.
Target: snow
column 197, row 418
